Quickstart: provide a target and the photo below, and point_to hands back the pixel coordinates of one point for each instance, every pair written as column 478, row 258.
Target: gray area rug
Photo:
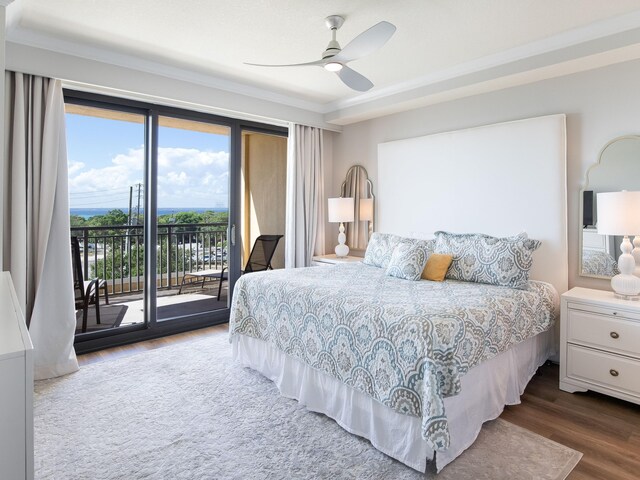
column 185, row 411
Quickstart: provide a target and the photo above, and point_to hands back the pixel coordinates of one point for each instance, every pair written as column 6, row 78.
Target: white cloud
column 74, row 167
column 133, row 160
column 175, row 178
column 186, row 178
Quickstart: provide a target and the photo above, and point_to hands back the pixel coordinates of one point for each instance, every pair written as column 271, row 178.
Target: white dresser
column 16, row 388
column 600, row 344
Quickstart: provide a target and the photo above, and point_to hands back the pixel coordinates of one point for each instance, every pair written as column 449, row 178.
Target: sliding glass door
column 168, row 186
column 192, row 217
column 106, row 157
column 263, row 191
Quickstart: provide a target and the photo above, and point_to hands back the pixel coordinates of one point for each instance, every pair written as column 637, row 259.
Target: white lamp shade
column 341, row 209
column 618, row 213
column 366, row 209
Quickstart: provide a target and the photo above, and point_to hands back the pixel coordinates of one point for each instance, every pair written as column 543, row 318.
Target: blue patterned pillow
column 380, row 248
column 484, row 259
column 409, row 258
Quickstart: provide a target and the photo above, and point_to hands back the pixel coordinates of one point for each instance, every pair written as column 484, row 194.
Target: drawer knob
column 614, row 373
column 614, row 335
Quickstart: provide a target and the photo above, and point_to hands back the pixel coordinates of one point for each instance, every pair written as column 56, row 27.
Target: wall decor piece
column 357, row 185
column 617, row 168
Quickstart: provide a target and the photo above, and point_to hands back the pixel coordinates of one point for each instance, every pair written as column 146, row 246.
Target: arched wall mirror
column 357, row 185
column 617, row 168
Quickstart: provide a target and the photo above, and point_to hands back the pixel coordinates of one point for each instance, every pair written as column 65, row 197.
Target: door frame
column 151, row 328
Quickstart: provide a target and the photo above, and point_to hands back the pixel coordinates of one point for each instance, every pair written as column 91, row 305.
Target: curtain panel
column 36, row 247
column 304, row 232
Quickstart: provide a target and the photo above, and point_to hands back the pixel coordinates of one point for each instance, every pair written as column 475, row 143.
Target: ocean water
column 92, row 212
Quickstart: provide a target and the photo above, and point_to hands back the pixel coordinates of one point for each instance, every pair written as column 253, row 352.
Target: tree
column 77, row 221
column 215, row 217
column 119, row 263
column 113, row 218
column 116, row 264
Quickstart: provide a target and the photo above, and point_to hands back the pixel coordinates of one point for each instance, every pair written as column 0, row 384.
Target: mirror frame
column 581, row 202
column 356, row 202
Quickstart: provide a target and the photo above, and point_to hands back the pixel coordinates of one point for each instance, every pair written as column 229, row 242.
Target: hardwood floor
column 604, row 429
column 132, row 349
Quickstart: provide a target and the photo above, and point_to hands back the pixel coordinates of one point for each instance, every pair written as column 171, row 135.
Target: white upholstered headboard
column 499, row 179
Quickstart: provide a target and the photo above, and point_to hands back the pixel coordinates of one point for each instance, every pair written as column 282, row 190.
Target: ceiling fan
column 335, row 59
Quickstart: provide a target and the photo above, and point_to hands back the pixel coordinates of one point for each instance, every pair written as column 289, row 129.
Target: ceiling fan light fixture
column 335, row 59
column 333, row 66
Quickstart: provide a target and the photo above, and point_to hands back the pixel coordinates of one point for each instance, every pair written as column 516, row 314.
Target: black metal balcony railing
column 116, row 254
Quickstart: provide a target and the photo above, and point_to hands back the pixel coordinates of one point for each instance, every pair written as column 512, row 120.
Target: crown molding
column 580, row 36
column 600, row 43
column 5, row 3
column 477, row 85
column 46, row 42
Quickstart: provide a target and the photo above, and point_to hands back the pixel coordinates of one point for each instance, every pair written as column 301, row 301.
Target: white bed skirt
column 486, row 389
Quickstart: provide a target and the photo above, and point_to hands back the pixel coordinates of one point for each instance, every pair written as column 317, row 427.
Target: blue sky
column 106, row 157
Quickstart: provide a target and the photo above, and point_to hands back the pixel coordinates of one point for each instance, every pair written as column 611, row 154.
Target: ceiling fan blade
column 317, row 62
column 353, row 79
column 367, row 42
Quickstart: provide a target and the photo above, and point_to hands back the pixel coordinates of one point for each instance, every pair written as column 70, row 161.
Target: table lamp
column 618, row 213
column 366, row 214
column 366, row 209
column 342, row 210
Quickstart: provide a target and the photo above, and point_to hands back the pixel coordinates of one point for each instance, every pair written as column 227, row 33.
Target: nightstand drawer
column 602, row 331
column 611, row 311
column 604, row 369
column 321, row 264
column 332, row 259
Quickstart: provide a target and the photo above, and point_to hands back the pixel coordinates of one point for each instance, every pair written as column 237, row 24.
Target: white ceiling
column 441, row 49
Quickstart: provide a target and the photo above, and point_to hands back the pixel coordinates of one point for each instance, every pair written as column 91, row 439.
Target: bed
column 447, row 356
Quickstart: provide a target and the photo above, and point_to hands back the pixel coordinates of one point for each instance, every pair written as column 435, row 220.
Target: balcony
column 116, row 254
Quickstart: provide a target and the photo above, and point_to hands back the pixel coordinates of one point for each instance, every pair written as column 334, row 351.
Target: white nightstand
column 600, row 344
column 332, row 259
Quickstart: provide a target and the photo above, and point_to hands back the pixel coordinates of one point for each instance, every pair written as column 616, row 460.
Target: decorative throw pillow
column 436, row 267
column 380, row 248
column 485, row 259
column 409, row 258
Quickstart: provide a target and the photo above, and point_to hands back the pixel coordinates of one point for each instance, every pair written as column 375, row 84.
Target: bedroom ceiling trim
column 566, row 62
column 599, row 44
column 101, row 77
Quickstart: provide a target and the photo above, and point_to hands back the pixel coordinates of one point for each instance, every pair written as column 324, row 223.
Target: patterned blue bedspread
column 406, row 344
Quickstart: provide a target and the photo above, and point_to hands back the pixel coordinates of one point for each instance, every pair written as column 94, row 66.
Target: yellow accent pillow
column 436, row 267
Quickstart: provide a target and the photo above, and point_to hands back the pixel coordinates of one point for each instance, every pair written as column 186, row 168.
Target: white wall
column 331, row 229
column 600, row 105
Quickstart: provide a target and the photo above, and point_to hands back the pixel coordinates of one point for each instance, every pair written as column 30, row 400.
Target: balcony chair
column 86, row 292
column 259, row 258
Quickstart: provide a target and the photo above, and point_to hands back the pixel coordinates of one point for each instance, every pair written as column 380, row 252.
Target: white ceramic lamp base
column 341, row 249
column 636, row 254
column 626, row 285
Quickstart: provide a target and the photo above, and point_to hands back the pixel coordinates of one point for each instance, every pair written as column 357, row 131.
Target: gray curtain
column 304, row 232
column 36, row 248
